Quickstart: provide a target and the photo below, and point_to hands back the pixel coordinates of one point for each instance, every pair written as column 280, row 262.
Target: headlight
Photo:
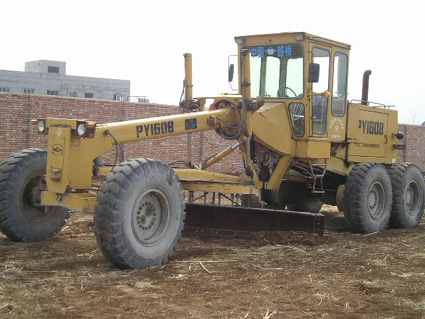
column 81, row 129
column 41, row 126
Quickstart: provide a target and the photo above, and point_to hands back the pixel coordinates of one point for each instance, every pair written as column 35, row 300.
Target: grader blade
column 243, row 219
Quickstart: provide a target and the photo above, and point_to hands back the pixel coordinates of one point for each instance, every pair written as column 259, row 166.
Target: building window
column 143, row 99
column 4, row 89
column 52, row 92
column 29, row 91
column 73, row 94
column 53, row 69
column 88, row 95
column 118, row 97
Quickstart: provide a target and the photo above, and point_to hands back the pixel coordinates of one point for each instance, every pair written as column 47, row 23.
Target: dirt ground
column 282, row 275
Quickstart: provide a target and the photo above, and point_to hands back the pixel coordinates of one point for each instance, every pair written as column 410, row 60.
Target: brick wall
column 414, row 142
column 16, row 132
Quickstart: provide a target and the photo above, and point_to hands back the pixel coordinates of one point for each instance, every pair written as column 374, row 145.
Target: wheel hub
column 411, row 197
column 376, row 199
column 149, row 217
column 31, row 198
column 372, row 200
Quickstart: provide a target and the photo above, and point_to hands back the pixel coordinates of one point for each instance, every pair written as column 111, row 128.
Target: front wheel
column 140, row 214
column 22, row 180
column 408, row 195
column 368, row 198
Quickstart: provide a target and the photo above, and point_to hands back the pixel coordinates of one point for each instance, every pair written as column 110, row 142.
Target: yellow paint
column 361, row 134
column 74, row 201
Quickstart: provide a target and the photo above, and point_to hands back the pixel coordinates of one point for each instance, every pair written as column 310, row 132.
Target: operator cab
column 308, row 74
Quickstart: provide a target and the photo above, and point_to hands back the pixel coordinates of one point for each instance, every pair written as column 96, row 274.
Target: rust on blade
column 231, row 218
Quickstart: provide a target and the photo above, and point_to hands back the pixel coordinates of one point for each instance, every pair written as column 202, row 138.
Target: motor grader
column 302, row 144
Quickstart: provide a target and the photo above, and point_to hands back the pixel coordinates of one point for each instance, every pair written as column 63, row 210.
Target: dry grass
column 347, row 276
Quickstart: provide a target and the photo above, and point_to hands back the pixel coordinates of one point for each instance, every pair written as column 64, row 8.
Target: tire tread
column 108, row 214
column 399, row 217
column 354, row 197
column 10, row 170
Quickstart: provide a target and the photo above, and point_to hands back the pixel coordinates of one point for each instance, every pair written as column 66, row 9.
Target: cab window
column 320, row 103
column 339, row 92
column 297, row 112
column 277, row 71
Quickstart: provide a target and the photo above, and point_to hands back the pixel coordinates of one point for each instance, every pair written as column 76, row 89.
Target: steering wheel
column 280, row 91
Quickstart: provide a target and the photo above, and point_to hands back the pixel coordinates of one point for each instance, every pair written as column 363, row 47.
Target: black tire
column 307, row 205
column 139, row 217
column 22, row 218
column 251, row 201
column 368, row 198
column 408, row 195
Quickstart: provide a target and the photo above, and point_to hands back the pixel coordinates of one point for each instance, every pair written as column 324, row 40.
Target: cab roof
column 300, row 36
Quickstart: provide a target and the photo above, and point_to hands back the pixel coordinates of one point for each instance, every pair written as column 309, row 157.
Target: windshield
column 277, row 71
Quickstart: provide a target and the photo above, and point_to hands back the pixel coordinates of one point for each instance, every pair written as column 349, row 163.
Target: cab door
column 320, row 102
column 338, row 116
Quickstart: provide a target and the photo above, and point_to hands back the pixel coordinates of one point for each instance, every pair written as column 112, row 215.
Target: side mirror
column 313, row 72
column 231, row 72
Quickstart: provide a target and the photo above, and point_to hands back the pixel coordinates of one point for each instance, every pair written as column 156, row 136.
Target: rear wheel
column 22, row 218
column 140, row 214
column 408, row 195
column 368, row 198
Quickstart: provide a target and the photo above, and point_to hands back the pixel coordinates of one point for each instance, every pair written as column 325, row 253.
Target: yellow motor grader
column 302, row 144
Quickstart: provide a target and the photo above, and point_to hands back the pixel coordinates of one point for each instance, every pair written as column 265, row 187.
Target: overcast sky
column 144, row 41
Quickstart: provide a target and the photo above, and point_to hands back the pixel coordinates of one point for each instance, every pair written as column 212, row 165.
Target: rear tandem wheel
column 368, row 198
column 408, row 195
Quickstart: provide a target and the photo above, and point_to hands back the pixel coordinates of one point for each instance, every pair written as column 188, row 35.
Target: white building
column 45, row 77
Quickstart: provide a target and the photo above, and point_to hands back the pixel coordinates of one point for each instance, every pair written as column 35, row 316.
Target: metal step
column 243, row 219
column 318, row 178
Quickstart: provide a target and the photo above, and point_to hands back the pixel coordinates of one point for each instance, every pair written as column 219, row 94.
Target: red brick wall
column 16, row 132
column 414, row 142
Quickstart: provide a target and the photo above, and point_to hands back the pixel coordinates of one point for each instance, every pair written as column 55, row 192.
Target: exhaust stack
column 365, row 89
